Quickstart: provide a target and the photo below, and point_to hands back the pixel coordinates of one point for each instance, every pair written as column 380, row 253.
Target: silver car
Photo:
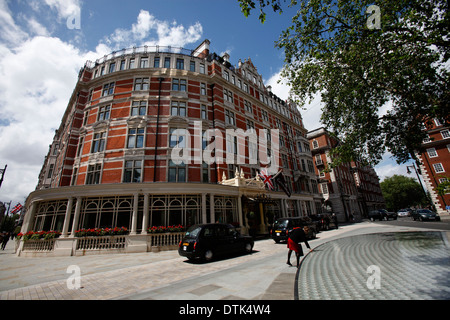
column 404, row 212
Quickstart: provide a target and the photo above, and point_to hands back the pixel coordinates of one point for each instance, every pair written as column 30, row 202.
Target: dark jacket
column 298, row 235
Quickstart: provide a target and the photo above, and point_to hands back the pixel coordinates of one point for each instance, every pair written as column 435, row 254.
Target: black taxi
column 206, row 241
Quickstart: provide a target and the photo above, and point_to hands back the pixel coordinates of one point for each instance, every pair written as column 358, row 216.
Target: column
column 239, row 209
column 304, row 209
column 29, row 218
column 145, row 215
column 211, row 211
column 76, row 217
column 204, row 217
column 299, row 208
column 135, row 214
column 65, row 230
column 262, row 226
column 313, row 207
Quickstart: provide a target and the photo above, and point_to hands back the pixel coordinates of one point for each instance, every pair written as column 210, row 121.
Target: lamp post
column 409, row 172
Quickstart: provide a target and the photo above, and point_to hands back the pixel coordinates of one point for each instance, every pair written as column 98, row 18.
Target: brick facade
column 434, row 163
column 350, row 188
column 118, row 131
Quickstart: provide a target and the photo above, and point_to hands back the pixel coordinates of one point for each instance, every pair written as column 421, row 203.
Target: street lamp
column 409, row 172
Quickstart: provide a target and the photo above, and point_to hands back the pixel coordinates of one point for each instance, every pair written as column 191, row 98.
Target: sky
column 44, row 44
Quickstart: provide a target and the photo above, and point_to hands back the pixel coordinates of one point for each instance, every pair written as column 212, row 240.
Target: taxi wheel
column 208, row 255
column 248, row 247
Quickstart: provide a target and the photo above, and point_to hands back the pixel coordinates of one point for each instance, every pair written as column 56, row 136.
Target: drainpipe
column 157, row 128
column 214, row 127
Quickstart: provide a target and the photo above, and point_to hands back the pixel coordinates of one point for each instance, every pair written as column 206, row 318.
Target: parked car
column 206, row 241
column 425, row 214
column 323, row 221
column 283, row 226
column 382, row 214
column 404, row 212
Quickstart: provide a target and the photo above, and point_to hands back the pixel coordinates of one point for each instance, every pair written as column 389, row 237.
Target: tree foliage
column 378, row 85
column 402, row 192
column 444, row 187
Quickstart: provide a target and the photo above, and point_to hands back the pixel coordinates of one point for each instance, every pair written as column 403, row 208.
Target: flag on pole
column 266, row 178
column 281, row 182
column 17, row 208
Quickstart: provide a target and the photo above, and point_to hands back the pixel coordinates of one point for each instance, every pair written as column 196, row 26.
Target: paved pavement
column 392, row 266
column 261, row 275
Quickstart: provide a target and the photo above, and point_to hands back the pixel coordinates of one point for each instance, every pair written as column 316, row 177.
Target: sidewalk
column 135, row 276
column 393, row 266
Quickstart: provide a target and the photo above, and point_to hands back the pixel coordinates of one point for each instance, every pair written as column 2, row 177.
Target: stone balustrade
column 80, row 246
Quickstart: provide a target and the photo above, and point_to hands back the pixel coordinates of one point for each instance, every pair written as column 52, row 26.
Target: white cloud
column 387, row 168
column 36, row 81
column 150, row 31
column 36, row 28
column 280, row 88
column 65, row 8
column 10, row 32
column 37, row 76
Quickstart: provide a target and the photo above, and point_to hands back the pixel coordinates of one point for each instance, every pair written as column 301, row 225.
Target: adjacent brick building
column 349, row 189
column 434, row 163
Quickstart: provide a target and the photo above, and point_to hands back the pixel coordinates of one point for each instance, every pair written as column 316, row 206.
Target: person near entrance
column 296, row 236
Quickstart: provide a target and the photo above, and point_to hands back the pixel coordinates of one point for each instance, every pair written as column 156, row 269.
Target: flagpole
column 9, row 206
column 276, row 174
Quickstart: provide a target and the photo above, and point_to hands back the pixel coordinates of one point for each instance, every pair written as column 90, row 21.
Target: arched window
column 107, row 215
column 158, row 213
column 59, row 218
column 192, row 212
column 90, row 215
column 124, row 214
column 230, row 212
column 175, row 211
column 48, row 218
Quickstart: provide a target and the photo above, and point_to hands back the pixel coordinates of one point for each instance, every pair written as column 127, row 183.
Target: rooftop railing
column 140, row 50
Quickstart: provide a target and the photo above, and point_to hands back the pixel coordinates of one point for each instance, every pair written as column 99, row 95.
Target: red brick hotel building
column 110, row 164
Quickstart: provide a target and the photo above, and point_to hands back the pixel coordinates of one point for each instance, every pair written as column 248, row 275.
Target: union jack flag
column 17, row 208
column 266, row 178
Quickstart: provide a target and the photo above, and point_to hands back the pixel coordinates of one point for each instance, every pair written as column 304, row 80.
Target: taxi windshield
column 281, row 223
column 193, row 232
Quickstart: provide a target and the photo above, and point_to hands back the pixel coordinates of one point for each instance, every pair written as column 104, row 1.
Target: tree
column 382, row 71
column 402, row 192
column 8, row 223
column 444, row 187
